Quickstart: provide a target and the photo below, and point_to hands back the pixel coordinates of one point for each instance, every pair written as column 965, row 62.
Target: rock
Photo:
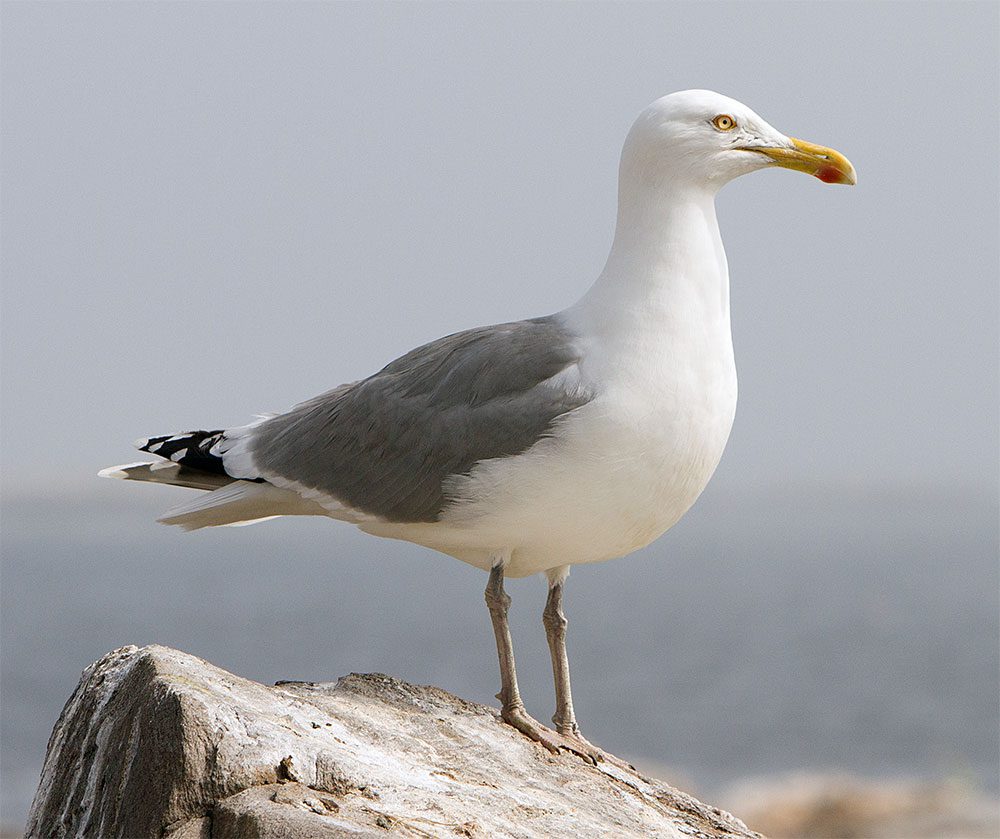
column 816, row 806
column 155, row 742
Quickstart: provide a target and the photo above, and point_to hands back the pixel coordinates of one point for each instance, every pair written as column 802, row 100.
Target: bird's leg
column 512, row 708
column 498, row 602
column 564, row 718
column 555, row 622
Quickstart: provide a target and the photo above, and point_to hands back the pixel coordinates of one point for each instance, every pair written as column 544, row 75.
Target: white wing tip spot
column 112, row 472
column 122, row 470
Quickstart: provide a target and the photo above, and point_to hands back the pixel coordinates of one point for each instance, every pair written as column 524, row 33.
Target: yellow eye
column 724, row 122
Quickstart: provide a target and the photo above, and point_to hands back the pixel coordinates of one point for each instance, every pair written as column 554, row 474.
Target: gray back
column 386, row 444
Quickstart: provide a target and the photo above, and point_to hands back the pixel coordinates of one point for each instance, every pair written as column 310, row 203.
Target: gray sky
column 214, row 210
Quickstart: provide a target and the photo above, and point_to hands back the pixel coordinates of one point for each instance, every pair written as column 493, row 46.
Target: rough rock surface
column 155, row 742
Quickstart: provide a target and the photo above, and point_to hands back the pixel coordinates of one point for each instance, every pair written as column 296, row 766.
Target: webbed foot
column 554, row 741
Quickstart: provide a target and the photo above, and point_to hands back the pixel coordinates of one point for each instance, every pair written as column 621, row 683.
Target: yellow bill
column 826, row 164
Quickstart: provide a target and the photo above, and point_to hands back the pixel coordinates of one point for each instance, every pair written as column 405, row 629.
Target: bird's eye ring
column 724, row 122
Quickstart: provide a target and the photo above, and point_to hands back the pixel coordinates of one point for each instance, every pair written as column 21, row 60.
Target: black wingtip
column 192, row 449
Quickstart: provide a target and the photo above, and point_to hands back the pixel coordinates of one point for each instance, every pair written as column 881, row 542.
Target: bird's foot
column 554, row 741
column 572, row 734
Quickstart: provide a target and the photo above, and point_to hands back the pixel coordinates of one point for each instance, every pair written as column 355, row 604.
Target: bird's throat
column 667, row 267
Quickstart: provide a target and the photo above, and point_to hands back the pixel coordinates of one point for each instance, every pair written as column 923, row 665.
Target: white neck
column 667, row 268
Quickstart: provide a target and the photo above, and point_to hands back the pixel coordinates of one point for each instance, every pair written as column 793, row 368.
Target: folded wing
column 384, row 446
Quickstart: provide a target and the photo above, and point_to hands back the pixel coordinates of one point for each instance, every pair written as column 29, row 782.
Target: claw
column 554, row 741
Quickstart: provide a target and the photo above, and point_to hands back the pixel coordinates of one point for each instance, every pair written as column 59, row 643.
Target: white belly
column 616, row 474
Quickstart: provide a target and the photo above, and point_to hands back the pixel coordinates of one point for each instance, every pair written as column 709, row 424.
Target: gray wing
column 386, row 444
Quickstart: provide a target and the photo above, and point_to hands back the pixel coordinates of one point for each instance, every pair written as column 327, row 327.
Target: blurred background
column 212, row 210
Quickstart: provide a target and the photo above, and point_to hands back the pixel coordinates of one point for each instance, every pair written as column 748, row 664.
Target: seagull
column 528, row 447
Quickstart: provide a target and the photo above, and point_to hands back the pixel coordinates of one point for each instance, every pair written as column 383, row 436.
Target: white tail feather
column 241, row 502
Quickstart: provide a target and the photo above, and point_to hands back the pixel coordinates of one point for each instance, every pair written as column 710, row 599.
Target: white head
column 702, row 138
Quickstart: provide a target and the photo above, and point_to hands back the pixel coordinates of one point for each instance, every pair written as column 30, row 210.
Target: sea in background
column 787, row 630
